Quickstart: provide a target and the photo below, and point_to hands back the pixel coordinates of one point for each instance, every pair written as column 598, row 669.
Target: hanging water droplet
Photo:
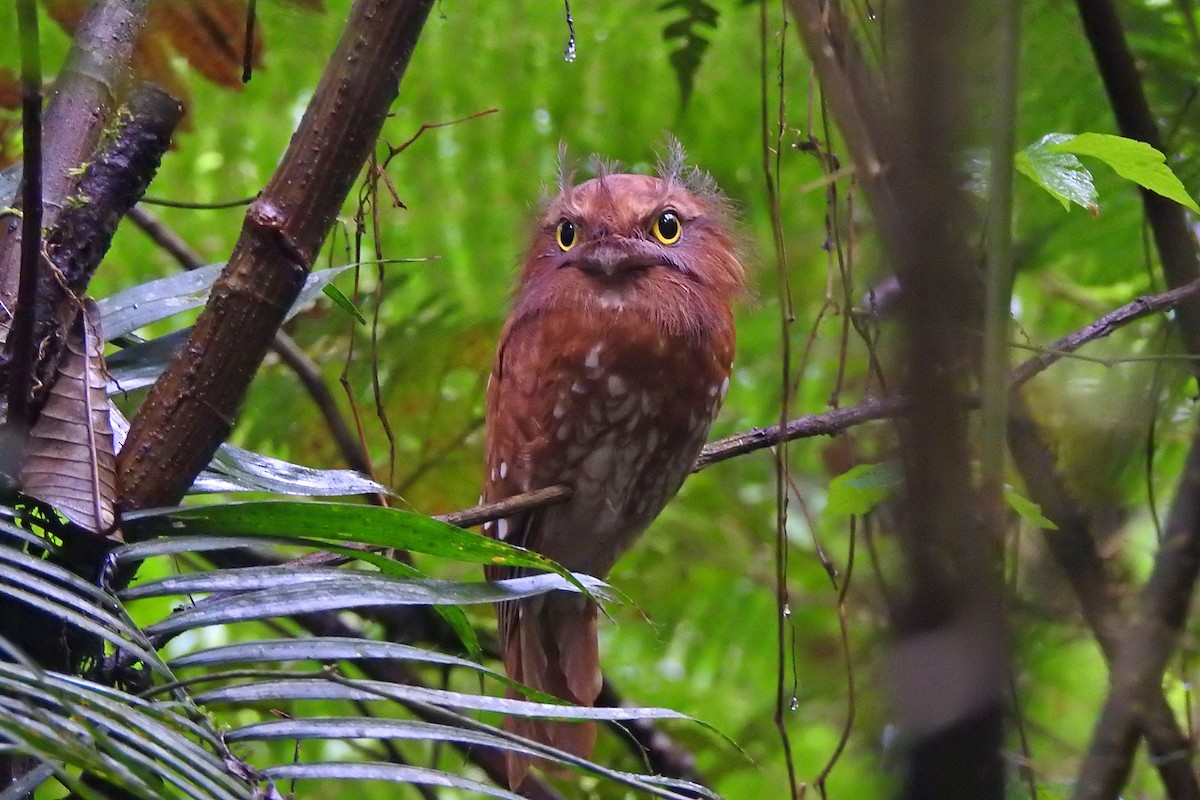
column 795, row 705
column 787, row 610
column 870, row 11
column 569, row 53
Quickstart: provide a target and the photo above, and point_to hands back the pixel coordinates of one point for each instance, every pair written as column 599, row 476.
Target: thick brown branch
column 84, row 96
column 190, row 410
column 950, row 626
column 283, row 345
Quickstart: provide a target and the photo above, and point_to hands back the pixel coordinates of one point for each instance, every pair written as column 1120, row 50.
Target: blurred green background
column 702, row 636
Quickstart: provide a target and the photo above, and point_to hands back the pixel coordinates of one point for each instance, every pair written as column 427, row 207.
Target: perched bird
column 609, row 373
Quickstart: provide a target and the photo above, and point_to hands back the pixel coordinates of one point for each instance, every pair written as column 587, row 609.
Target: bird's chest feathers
column 620, row 409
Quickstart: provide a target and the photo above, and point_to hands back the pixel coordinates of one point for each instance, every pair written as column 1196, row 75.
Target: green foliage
column 155, row 741
column 688, row 54
column 1051, row 163
column 703, row 575
column 1028, row 510
column 860, row 489
column 1060, row 174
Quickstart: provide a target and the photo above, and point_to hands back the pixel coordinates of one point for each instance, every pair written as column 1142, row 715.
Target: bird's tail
column 550, row 645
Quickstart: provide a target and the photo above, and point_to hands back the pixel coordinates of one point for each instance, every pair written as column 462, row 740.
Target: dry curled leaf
column 70, row 462
column 209, row 34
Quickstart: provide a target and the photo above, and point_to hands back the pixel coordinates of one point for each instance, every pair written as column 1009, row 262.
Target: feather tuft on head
column 565, row 174
column 672, row 167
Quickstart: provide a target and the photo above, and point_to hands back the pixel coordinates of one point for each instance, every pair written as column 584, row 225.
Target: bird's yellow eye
column 565, row 234
column 668, row 227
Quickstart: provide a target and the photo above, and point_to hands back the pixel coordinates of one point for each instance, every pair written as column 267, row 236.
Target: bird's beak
column 610, row 257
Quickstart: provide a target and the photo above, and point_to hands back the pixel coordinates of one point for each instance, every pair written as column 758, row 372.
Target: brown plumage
column 609, row 373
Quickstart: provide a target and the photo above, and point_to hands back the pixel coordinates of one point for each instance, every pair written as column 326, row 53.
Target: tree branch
column 115, row 177
column 290, row 353
column 190, row 409
column 830, row 423
column 79, row 109
column 1105, row 325
column 22, row 347
column 1173, row 237
column 1072, row 545
column 1152, row 633
column 1151, row 636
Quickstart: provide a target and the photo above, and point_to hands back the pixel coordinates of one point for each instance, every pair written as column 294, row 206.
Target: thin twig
column 22, row 345
column 1105, row 325
column 195, row 206
column 833, row 422
column 787, row 316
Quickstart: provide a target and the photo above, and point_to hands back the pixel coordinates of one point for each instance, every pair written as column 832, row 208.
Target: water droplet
column 569, row 53
column 795, row 705
column 787, row 611
column 870, row 11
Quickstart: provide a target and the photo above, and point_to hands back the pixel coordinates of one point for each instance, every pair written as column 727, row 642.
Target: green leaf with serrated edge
column 1060, row 174
column 860, row 489
column 339, row 522
column 1133, row 160
column 341, row 301
column 1028, row 510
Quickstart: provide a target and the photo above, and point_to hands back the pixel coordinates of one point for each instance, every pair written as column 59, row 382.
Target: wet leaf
column 266, row 592
column 337, row 522
column 238, row 470
column 1061, row 174
column 1133, row 160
